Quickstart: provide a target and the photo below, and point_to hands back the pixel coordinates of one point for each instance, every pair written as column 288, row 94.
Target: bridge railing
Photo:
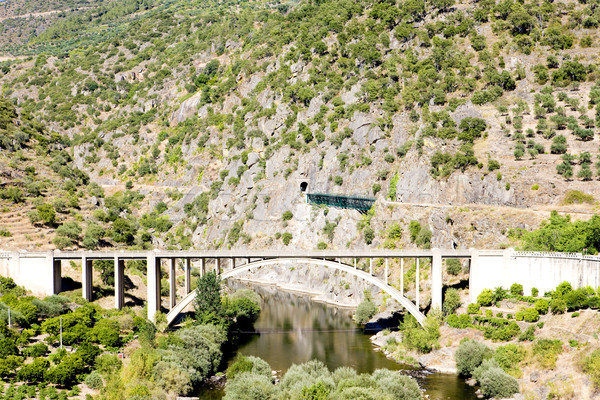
column 551, row 254
column 5, row 254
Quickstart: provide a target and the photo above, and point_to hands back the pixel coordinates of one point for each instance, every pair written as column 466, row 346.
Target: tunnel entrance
column 303, row 186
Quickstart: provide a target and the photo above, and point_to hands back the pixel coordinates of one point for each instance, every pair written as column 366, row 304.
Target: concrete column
column 172, row 282
column 232, row 263
column 436, row 279
column 248, row 261
column 202, row 266
column 217, row 266
column 188, row 277
column 86, row 278
column 417, row 283
column 387, row 269
column 473, row 275
column 56, row 276
column 354, row 262
column 371, row 266
column 402, row 276
column 119, row 283
column 153, row 278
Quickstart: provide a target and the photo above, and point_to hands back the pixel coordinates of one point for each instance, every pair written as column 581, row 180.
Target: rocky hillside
column 197, row 122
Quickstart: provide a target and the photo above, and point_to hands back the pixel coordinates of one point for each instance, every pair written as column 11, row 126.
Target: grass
column 577, row 197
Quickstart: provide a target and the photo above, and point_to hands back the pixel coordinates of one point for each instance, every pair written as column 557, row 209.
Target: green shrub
column 453, row 266
column 509, row 356
column 498, row 384
column 286, row 238
column 249, row 364
column 528, row 315
column 249, row 386
column 528, row 334
column 575, row 314
column 534, row 292
column 516, row 289
column 469, row 355
column 541, row 306
column 365, row 311
column 94, row 381
column 546, row 352
column 486, row 297
column 473, row 308
column 287, row 215
column 451, row 301
column 461, row 321
column 591, row 366
column 558, row 306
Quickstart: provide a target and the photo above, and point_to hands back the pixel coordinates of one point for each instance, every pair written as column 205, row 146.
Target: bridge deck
column 283, row 253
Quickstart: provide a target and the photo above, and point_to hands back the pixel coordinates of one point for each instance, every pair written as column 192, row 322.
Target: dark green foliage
column 453, row 266
column 365, row 311
column 207, row 303
column 451, row 301
column 462, row 321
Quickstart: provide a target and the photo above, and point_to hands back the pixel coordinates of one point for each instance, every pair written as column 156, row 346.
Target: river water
column 292, row 329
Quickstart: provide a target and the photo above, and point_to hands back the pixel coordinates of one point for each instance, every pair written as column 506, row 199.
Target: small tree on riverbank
column 208, row 299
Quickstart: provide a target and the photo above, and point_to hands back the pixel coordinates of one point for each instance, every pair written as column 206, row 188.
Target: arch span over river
column 40, row 272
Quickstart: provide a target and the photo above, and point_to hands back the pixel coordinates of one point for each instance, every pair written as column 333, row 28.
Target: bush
column 365, row 311
column 516, row 289
column 473, row 308
column 451, row 301
column 286, row 238
column 546, row 352
column 591, row 366
column 94, row 380
column 453, row 266
column 462, row 321
column 486, row 297
column 286, row 216
column 558, row 306
column 469, row 355
column 528, row 334
column 509, row 356
column 534, row 292
column 249, row 364
column 498, row 384
column 528, row 315
column 541, row 306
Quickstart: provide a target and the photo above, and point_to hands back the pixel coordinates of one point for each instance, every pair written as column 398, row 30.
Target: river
column 292, row 329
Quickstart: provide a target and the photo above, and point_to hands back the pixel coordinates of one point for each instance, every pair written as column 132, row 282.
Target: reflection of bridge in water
column 41, row 272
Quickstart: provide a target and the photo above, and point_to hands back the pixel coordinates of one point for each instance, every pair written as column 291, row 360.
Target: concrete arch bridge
column 40, row 272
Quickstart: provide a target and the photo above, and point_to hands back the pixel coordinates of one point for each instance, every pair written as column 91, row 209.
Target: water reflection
column 293, row 329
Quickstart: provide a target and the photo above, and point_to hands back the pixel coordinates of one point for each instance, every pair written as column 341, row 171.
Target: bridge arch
column 393, row 292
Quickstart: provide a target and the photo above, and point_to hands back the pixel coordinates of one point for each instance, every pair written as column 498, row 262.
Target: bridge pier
column 436, row 279
column 387, row 267
column 56, row 276
column 87, row 277
column 153, row 279
column 402, row 276
column 172, row 282
column 188, row 269
column 232, row 263
column 202, row 267
column 417, row 285
column 218, row 266
column 371, row 266
column 119, row 284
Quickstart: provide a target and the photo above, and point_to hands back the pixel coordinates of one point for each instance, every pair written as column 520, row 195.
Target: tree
column 469, row 355
column 35, row 371
column 47, row 214
column 365, row 311
column 451, row 301
column 207, row 304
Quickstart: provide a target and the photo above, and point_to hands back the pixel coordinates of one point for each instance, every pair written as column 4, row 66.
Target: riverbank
column 563, row 378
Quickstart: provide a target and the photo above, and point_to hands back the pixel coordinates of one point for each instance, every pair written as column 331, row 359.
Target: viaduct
column 40, row 272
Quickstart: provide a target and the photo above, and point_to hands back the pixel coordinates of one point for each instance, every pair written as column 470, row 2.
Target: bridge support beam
column 217, row 266
column 57, row 276
column 387, row 270
column 418, row 284
column 436, row 279
column 119, row 283
column 188, row 272
column 232, row 263
column 402, row 276
column 371, row 266
column 87, row 278
column 153, row 274
column 172, row 282
column 473, row 275
column 202, row 267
